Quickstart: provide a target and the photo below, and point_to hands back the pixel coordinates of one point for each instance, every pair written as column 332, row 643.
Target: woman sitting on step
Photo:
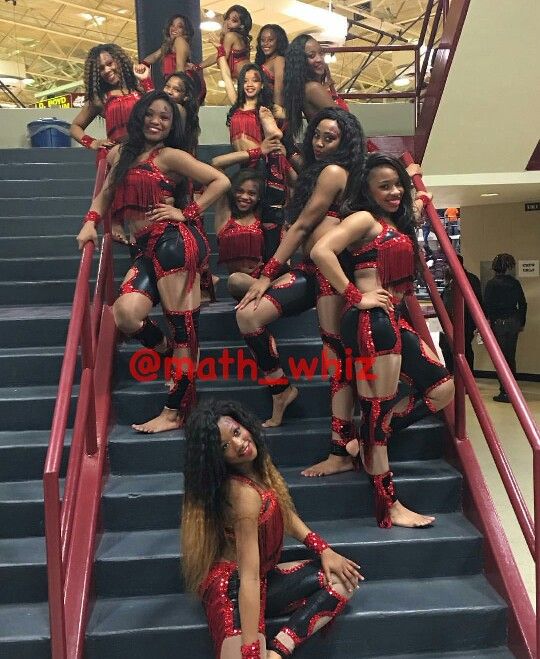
column 112, row 86
column 332, row 144
column 236, row 510
column 381, row 238
column 148, row 172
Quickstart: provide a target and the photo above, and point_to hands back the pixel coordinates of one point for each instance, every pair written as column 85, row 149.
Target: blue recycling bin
column 49, row 132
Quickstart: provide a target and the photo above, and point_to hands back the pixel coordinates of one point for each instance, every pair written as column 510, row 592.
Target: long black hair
column 188, row 32
column 192, row 129
column 264, row 98
column 239, row 179
column 282, row 42
column 358, row 197
column 351, row 151
column 135, row 143
column 297, row 74
column 246, row 22
column 94, row 85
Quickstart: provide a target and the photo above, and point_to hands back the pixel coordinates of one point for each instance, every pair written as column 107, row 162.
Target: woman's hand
column 377, row 298
column 165, row 212
column 270, row 144
column 413, row 169
column 213, row 39
column 88, row 232
column 96, row 145
column 344, row 569
column 141, row 71
column 255, row 293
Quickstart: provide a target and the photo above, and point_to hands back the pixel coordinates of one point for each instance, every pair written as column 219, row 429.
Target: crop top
column 245, row 122
column 392, row 254
column 239, row 241
column 144, row 186
column 270, row 76
column 117, row 109
column 235, row 57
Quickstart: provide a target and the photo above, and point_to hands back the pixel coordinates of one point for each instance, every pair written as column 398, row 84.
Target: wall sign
column 529, row 268
column 532, row 206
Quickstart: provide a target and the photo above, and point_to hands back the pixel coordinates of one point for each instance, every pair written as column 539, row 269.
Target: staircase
column 424, row 594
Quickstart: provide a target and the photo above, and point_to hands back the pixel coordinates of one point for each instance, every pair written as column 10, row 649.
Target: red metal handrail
column 70, row 519
column 465, row 382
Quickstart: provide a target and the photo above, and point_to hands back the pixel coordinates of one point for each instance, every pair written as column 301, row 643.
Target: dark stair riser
column 69, row 187
column 46, row 205
column 32, row 412
column 30, row 226
column 36, row 172
column 37, row 156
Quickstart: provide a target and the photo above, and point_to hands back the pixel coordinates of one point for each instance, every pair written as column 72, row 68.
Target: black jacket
column 504, row 298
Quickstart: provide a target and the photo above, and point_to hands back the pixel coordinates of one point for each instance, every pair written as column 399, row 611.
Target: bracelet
column 196, row 67
column 192, row 211
column 423, row 196
column 92, row 216
column 272, row 268
column 147, row 84
column 145, row 63
column 251, row 650
column 352, row 294
column 86, row 141
column 314, row 542
column 254, row 155
column 220, row 51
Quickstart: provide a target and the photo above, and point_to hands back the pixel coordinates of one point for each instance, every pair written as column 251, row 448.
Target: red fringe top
column 246, row 122
column 144, row 186
column 340, row 102
column 392, row 253
column 168, row 64
column 117, row 109
column 240, row 241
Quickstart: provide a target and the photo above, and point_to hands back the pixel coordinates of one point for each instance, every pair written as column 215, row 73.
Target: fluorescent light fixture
column 327, row 25
column 210, row 13
column 330, row 58
column 404, row 81
column 98, row 20
column 221, row 84
column 490, row 194
column 210, row 26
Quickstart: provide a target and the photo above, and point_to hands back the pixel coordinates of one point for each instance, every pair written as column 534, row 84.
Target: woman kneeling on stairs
column 149, row 172
column 236, row 510
column 381, row 238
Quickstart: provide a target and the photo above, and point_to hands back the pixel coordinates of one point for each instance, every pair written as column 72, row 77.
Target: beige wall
column 489, row 230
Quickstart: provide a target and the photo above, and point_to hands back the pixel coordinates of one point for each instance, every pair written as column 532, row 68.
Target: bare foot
column 269, row 126
column 280, row 404
column 334, row 464
column 167, row 420
column 118, row 234
column 402, row 516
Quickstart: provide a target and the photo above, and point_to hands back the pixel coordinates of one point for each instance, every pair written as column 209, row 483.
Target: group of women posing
column 353, row 217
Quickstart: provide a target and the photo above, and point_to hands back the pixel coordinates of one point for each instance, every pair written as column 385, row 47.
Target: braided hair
column 503, row 262
column 351, row 150
column 264, row 98
column 282, row 42
column 94, row 85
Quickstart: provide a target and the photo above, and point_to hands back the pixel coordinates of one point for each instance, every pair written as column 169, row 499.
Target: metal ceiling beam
column 90, row 10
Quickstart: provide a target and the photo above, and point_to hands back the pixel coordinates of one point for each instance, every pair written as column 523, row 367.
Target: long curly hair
column 94, row 85
column 237, row 180
column 265, row 97
column 135, row 143
column 358, row 197
column 503, row 262
column 297, row 74
column 246, row 22
column 167, row 42
column 351, row 150
column 282, row 42
column 206, row 484
column 192, row 129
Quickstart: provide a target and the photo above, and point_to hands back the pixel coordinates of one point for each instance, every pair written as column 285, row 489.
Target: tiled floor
column 519, row 455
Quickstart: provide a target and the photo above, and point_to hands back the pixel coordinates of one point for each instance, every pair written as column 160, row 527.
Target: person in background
column 506, row 309
column 447, row 298
column 451, row 215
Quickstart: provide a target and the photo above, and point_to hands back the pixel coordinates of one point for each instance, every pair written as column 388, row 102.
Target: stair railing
column 526, row 631
column 71, row 519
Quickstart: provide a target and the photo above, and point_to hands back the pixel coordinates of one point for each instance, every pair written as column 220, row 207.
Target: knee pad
column 262, row 347
column 182, row 396
column 184, row 327
column 150, row 335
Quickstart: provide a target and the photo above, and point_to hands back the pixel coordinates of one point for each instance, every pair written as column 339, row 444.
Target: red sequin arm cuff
column 146, row 63
column 254, row 155
column 251, row 650
column 220, row 51
column 92, row 216
column 192, row 211
column 352, row 294
column 86, row 141
column 147, row 84
column 315, row 543
column 272, row 268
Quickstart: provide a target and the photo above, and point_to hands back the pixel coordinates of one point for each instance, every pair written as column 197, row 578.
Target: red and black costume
column 240, row 241
column 375, row 332
column 300, row 589
column 305, row 286
column 168, row 66
column 162, row 248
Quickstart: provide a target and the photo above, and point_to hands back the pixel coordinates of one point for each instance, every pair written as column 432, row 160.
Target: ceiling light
column 210, row 13
column 330, row 58
column 210, row 26
column 98, row 20
column 490, row 194
column 221, row 84
column 404, row 81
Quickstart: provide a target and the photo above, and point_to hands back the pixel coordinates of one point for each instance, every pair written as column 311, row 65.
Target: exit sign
column 532, row 206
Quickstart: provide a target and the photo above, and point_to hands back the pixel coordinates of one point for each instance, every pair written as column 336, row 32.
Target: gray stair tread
column 29, row 621
column 34, row 311
column 135, row 545
column 30, row 393
column 378, row 598
column 22, row 551
column 21, row 491
column 488, row 653
column 173, row 482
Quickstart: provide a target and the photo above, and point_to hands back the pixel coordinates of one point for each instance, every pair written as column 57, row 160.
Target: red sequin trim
column 86, row 141
column 345, row 429
column 93, row 216
column 352, row 294
column 240, row 241
column 274, row 302
column 293, row 568
column 293, row 635
column 117, row 110
column 315, row 543
column 272, row 268
column 128, row 287
column 324, row 286
column 282, row 649
column 385, row 497
column 255, row 332
column 251, row 650
column 427, row 400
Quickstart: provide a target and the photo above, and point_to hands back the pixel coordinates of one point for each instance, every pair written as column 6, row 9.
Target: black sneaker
column 501, row 398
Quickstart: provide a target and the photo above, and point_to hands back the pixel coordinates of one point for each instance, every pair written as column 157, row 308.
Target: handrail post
column 459, row 349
